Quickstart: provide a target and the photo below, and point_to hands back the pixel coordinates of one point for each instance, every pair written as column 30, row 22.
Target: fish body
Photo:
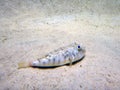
column 62, row 56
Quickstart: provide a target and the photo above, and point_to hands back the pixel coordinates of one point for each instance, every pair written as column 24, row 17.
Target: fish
column 62, row 56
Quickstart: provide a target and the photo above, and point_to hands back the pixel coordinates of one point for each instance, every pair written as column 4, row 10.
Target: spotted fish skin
column 62, row 56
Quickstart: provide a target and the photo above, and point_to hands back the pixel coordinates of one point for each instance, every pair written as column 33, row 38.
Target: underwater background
column 31, row 28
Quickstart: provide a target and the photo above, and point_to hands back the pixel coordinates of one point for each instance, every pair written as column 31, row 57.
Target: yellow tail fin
column 23, row 65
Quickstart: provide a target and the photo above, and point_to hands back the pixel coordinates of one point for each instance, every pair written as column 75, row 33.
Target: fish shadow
column 52, row 67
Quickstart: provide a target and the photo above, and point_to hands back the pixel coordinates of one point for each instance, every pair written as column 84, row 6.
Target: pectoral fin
column 70, row 62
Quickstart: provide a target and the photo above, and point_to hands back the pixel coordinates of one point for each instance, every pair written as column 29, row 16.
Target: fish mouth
column 83, row 50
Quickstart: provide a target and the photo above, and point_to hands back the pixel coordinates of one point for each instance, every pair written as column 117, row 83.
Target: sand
column 30, row 29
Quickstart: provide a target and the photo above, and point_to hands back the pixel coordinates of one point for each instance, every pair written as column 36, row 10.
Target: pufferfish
column 62, row 56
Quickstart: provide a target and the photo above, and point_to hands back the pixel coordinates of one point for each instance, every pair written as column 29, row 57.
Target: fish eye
column 79, row 46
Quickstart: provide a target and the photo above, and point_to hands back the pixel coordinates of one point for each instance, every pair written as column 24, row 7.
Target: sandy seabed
column 27, row 37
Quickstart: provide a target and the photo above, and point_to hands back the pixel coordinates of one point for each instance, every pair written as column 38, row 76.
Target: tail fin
column 23, row 65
